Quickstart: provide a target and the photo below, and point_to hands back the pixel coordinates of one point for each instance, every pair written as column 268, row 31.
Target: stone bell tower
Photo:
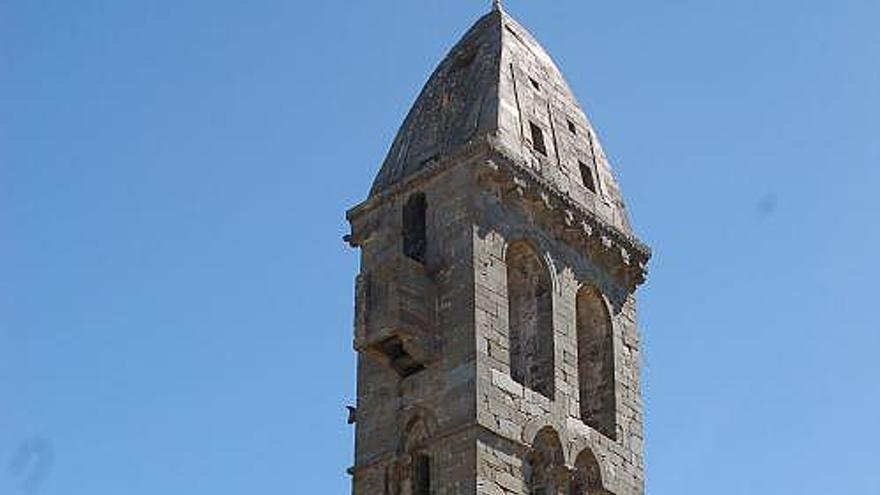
column 495, row 322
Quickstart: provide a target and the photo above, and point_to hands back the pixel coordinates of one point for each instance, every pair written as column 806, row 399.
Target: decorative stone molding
column 496, row 168
column 621, row 252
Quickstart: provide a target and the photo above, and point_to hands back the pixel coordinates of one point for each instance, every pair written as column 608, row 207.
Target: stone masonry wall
column 443, row 394
column 504, row 156
column 481, row 422
column 513, row 413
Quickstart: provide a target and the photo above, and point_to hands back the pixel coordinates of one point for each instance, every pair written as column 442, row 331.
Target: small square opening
column 587, row 177
column 538, row 138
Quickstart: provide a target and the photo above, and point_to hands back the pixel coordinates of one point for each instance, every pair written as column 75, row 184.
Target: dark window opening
column 538, row 139
column 530, row 319
column 414, row 229
column 535, row 84
column 587, row 476
column 401, row 361
column 572, row 128
column 544, row 476
column 422, row 475
column 587, row 177
column 595, row 356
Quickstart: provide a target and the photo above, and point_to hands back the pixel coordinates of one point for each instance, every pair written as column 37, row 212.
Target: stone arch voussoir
column 540, row 246
column 585, row 445
column 536, row 426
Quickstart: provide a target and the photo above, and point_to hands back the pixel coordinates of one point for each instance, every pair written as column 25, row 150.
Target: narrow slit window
column 535, row 84
column 538, row 139
column 422, row 475
column 572, row 128
column 587, row 177
column 415, row 240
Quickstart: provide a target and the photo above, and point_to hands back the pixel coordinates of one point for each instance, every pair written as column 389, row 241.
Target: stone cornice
column 621, row 250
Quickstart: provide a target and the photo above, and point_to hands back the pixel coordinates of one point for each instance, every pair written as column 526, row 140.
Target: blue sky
column 176, row 298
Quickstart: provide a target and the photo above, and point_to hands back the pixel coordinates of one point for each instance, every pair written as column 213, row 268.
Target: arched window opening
column 414, row 227
column 530, row 317
column 415, row 477
column 546, row 473
column 587, row 477
column 595, row 340
column 417, row 435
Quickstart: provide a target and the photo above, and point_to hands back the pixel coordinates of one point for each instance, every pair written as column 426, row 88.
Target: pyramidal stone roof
column 499, row 85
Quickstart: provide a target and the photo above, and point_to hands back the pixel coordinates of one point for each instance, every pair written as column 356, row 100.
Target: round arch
column 530, row 306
